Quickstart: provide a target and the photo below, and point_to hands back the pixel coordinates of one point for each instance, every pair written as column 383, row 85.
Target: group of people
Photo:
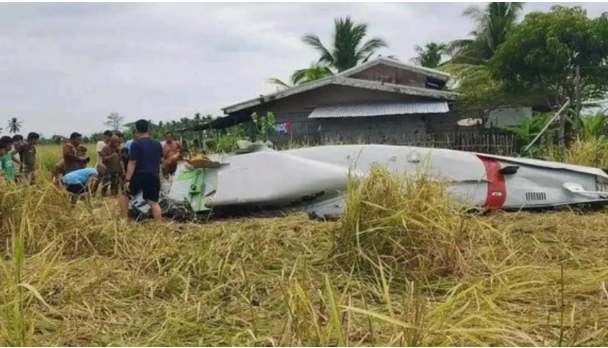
column 18, row 157
column 123, row 168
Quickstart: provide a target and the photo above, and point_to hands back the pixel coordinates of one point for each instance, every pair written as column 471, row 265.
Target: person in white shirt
column 17, row 141
column 102, row 143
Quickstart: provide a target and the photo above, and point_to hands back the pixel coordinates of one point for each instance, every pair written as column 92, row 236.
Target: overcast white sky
column 64, row 67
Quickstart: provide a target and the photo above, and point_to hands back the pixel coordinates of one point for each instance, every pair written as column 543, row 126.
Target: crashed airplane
column 314, row 180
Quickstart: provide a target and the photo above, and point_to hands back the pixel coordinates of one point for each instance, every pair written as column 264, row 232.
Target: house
column 378, row 102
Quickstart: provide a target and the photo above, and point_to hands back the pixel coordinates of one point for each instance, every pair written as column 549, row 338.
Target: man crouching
column 79, row 183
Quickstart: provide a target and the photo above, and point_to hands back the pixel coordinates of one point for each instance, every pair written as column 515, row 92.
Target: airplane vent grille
column 536, row 196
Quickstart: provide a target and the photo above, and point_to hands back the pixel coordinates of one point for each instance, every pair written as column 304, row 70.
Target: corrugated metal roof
column 367, row 110
column 344, row 81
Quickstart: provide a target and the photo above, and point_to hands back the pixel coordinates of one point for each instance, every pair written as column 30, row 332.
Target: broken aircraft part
column 315, row 179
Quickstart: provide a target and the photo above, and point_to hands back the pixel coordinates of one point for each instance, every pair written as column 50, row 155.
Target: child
column 6, row 161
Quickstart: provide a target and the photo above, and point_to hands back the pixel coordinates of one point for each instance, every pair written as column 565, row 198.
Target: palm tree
column 348, row 48
column 14, row 125
column 493, row 23
column 301, row 76
column 431, row 55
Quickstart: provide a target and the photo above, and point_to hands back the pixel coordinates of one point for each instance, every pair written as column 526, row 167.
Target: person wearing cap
column 73, row 158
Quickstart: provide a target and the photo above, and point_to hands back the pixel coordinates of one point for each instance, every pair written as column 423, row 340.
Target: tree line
column 506, row 61
column 546, row 58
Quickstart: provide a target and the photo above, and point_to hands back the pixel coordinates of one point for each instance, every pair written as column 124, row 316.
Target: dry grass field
column 404, row 267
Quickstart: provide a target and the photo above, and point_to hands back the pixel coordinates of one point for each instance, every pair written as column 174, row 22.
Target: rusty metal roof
column 384, row 109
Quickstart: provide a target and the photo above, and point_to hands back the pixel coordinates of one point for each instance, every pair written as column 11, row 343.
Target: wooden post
column 562, row 129
column 577, row 96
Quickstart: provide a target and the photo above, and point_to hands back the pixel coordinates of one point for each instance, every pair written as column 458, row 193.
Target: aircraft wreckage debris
column 314, row 180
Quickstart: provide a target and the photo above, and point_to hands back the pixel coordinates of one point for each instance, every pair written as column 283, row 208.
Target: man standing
column 17, row 141
column 143, row 171
column 110, row 157
column 27, row 154
column 124, row 151
column 171, row 155
column 170, row 146
column 73, row 159
column 102, row 143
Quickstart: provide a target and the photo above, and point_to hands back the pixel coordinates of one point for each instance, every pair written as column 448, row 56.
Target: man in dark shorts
column 27, row 154
column 143, row 171
column 110, row 157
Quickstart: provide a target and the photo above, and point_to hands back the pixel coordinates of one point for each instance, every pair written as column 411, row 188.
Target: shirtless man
column 172, row 153
column 170, row 146
column 72, row 154
column 110, row 157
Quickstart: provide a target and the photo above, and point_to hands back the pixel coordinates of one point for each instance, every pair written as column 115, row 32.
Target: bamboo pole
column 547, row 125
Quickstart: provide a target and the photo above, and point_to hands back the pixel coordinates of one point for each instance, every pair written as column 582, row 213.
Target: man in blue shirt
column 80, row 181
column 143, row 171
column 128, row 144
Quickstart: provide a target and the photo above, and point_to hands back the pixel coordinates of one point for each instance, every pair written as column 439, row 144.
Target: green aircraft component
column 197, row 188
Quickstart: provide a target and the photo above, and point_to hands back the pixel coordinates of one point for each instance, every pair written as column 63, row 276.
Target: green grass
column 404, row 267
column 48, row 155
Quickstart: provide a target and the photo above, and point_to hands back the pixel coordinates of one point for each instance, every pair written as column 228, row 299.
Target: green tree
column 431, row 55
column 492, row 26
column 14, row 125
column 301, row 76
column 468, row 63
column 349, row 47
column 114, row 121
column 543, row 52
column 593, row 127
column 56, row 139
column 481, row 92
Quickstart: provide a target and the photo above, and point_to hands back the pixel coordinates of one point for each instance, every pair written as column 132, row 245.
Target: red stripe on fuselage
column 497, row 189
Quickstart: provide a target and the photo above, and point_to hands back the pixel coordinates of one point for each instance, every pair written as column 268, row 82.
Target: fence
column 486, row 142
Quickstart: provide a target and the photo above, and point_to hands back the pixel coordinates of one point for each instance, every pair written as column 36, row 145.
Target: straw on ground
column 402, row 269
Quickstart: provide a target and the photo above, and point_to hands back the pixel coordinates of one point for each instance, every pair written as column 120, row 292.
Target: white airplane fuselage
column 314, row 179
